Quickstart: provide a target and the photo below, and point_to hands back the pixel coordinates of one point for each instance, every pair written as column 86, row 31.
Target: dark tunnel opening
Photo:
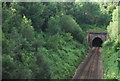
column 97, row 42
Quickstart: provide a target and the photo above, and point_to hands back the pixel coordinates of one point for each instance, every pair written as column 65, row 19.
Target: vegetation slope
column 48, row 40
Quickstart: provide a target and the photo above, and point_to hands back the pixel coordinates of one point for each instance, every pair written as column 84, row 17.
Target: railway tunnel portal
column 96, row 38
column 92, row 67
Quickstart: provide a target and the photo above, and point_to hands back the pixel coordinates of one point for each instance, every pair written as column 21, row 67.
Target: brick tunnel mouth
column 97, row 42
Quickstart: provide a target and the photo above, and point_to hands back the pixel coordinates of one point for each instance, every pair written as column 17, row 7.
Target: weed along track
column 91, row 67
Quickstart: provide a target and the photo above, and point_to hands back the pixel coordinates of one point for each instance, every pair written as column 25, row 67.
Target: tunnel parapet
column 91, row 35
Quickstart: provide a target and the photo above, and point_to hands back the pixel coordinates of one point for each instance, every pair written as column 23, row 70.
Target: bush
column 70, row 25
column 111, row 50
column 67, row 24
column 113, row 26
column 110, row 60
column 52, row 42
column 63, row 56
column 31, row 53
column 54, row 25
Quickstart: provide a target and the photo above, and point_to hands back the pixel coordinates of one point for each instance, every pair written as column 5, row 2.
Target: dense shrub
column 65, row 58
column 67, row 24
column 29, row 53
column 47, row 40
column 87, row 27
column 111, row 49
column 21, row 56
column 113, row 26
column 54, row 25
column 70, row 25
column 111, row 60
column 89, row 13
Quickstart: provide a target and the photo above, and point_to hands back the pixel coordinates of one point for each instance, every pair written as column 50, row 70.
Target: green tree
column 89, row 13
column 33, row 11
column 67, row 24
column 113, row 27
column 111, row 49
column 20, row 60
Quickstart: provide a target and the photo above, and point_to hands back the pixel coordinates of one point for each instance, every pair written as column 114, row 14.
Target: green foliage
column 20, row 54
column 89, row 13
column 70, row 25
column 64, row 60
column 33, row 11
column 29, row 53
column 113, row 27
column 52, row 42
column 87, row 27
column 111, row 60
column 67, row 24
column 113, row 30
column 54, row 25
column 111, row 49
column 108, row 7
column 47, row 40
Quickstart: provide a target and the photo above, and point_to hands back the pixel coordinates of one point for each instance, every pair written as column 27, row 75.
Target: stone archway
column 93, row 36
column 97, row 42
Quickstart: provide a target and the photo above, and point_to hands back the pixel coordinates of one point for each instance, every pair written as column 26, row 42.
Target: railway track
column 91, row 67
